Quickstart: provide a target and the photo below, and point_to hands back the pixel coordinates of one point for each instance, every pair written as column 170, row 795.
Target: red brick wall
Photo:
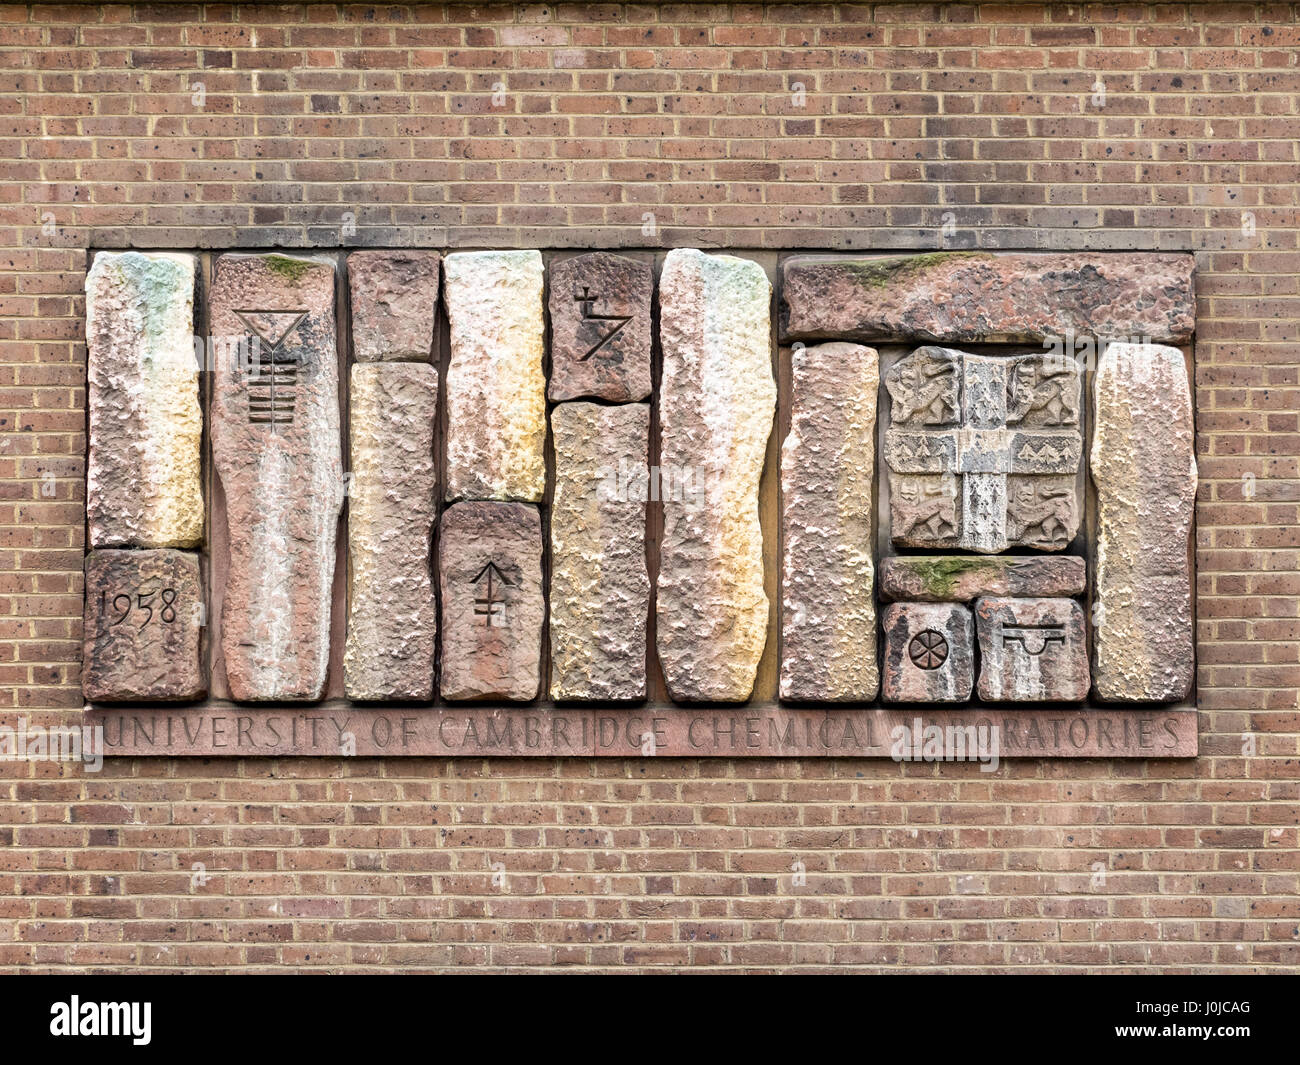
column 217, row 126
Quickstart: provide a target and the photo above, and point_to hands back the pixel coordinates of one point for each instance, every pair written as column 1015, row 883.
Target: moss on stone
column 289, row 269
column 939, row 575
column 877, row 273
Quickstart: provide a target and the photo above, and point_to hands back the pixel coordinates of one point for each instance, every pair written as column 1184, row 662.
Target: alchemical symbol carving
column 1033, row 636
column 491, row 605
column 270, row 373
column 928, row 649
column 588, row 301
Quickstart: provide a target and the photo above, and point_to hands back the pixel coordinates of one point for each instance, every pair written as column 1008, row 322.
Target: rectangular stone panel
column 1143, row 465
column 143, row 486
column 143, row 626
column 467, row 730
column 600, row 586
column 392, row 499
column 394, row 297
column 983, row 451
column 985, row 297
column 716, row 403
column 496, row 387
column 1031, row 650
column 600, row 327
column 961, row 578
column 929, row 653
column 276, row 449
column 828, row 613
column 490, row 580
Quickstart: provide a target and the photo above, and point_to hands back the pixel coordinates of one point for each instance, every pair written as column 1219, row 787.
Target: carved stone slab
column 970, row 296
column 717, row 400
column 496, row 389
column 1143, row 464
column 828, row 615
column 600, row 327
column 490, row 579
column 1032, row 650
column 929, row 653
column 144, row 619
column 984, row 451
column 392, row 620
column 961, row 578
column 276, row 448
column 143, row 480
column 600, row 586
column 394, row 304
column 659, row 730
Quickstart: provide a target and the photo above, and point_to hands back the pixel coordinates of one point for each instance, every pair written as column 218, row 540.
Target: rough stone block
column 961, row 578
column 394, row 304
column 143, row 628
column 392, row 620
column 828, row 618
column 600, row 587
column 496, row 388
column 929, row 653
column 1143, row 464
column 1032, row 650
column 600, row 327
column 716, row 403
column 143, row 484
column 490, row 577
column 983, row 451
column 276, row 448
column 976, row 296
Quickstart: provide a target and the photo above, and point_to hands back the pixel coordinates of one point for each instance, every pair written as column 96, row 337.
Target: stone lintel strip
column 986, row 297
column 961, row 578
column 484, row 731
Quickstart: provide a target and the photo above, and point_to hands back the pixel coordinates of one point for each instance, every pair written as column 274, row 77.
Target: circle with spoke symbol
column 928, row 649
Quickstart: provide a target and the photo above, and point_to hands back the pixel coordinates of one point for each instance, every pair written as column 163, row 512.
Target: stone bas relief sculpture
column 983, row 451
column 513, row 514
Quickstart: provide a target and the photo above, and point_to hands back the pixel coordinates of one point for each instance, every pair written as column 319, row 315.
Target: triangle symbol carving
column 271, row 327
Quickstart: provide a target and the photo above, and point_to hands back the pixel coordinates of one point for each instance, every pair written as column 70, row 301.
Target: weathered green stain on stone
column 155, row 283
column 940, row 574
column 877, row 273
column 289, row 269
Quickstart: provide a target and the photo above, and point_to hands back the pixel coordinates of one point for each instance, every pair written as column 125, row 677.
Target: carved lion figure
column 1038, row 384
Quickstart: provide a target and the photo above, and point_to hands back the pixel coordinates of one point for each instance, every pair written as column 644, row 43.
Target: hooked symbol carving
column 588, row 301
column 1047, row 633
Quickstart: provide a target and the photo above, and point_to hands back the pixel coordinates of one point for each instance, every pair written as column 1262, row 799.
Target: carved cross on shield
column 983, row 451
